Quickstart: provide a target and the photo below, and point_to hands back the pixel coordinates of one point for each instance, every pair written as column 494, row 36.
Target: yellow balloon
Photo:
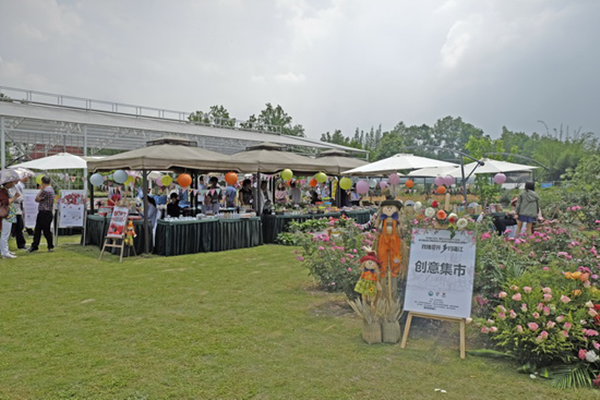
column 287, row 174
column 321, row 177
column 129, row 180
column 345, row 183
column 167, row 180
column 38, row 179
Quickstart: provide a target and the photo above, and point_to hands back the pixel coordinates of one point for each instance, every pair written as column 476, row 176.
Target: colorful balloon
column 184, row 180
column 287, row 174
column 166, row 180
column 448, row 180
column 345, row 183
column 500, row 178
column 439, row 181
column 394, row 179
column 372, row 183
column 96, row 179
column 321, row 177
column 441, row 189
column 313, row 182
column 159, row 181
column 120, row 176
column 231, row 178
column 409, row 184
column 362, row 187
column 383, row 185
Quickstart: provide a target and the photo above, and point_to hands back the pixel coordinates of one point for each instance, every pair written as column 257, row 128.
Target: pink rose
column 523, row 307
column 547, row 290
column 512, row 314
column 544, row 335
column 546, row 311
column 533, row 326
column 502, row 295
column 565, row 334
column 300, row 258
column 502, row 316
column 560, row 318
column 349, row 269
column 321, row 248
column 514, row 288
column 582, row 354
column 536, row 315
column 596, row 345
column 567, row 326
column 527, row 289
column 517, row 297
column 547, row 297
column 493, row 329
column 485, row 329
column 550, row 324
column 564, row 299
column 519, row 328
column 540, row 306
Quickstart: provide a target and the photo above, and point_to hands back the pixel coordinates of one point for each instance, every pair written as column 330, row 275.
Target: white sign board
column 71, row 208
column 30, row 207
column 116, row 228
column 440, row 273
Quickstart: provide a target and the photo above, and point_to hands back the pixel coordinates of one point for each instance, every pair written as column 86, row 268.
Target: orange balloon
column 441, row 189
column 313, row 182
column 409, row 184
column 231, row 178
column 184, row 180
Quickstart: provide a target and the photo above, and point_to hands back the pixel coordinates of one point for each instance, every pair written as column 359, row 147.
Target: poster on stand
column 116, row 228
column 441, row 270
column 72, row 208
column 30, row 207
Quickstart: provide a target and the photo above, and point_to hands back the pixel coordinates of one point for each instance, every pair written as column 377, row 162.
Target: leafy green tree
column 276, row 120
column 217, row 115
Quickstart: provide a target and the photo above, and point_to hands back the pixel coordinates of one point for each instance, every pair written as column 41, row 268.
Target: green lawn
column 243, row 324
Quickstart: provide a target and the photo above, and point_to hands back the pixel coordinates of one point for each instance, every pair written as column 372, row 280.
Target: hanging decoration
column 120, row 176
column 184, row 180
column 321, row 177
column 96, row 179
column 439, row 181
column 448, row 180
column 409, row 184
column 383, row 185
column 441, row 189
column 345, row 183
column 166, row 180
column 372, row 183
column 231, row 178
column 287, row 174
column 500, row 178
column 362, row 187
column 394, row 179
column 313, row 182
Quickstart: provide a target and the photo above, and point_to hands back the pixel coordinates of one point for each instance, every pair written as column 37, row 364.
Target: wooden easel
column 114, row 243
column 461, row 322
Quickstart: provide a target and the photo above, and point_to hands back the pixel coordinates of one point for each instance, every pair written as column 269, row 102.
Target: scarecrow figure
column 388, row 242
column 129, row 234
column 368, row 285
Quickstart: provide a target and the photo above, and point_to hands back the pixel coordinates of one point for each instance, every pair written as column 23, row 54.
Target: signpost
column 440, row 278
column 116, row 231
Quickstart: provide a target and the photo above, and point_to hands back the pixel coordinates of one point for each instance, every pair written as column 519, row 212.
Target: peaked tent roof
column 167, row 156
column 396, row 163
column 57, row 161
column 271, row 161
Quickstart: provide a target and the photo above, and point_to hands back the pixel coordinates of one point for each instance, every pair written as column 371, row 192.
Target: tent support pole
column 145, row 190
column 464, row 180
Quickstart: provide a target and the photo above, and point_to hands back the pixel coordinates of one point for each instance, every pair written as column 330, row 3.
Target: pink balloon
column 362, row 187
column 394, row 179
column 383, row 184
column 448, row 180
column 439, row 181
column 159, row 181
column 500, row 178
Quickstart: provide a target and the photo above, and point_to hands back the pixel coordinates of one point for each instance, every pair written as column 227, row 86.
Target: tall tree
column 274, row 119
column 217, row 115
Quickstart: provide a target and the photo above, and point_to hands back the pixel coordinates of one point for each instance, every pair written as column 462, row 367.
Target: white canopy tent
column 396, row 163
column 491, row 167
column 57, row 161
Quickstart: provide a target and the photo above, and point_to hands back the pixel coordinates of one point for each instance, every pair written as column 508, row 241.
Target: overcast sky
column 337, row 64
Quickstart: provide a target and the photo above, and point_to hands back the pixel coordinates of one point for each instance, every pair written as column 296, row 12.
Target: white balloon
column 96, row 179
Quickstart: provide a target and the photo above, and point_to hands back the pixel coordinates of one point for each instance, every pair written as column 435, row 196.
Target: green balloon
column 345, row 183
column 321, row 177
column 287, row 174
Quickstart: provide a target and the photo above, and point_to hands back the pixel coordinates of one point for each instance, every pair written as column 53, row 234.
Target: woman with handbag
column 8, row 217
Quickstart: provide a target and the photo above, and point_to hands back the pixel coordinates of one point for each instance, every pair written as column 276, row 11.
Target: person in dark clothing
column 45, row 200
column 173, row 209
column 246, row 197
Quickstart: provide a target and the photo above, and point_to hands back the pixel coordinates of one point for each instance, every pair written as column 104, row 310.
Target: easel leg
column 122, row 249
column 462, row 339
column 406, row 330
column 103, row 248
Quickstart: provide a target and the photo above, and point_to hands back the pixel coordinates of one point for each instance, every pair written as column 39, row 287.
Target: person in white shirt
column 17, row 227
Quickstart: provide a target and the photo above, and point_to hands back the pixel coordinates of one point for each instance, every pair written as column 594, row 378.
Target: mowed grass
column 243, row 324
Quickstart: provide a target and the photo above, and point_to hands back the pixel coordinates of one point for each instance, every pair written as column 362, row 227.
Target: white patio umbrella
column 433, row 172
column 396, row 163
column 58, row 161
column 491, row 167
column 23, row 172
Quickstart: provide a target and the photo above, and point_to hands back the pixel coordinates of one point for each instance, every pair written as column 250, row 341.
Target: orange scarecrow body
column 388, row 242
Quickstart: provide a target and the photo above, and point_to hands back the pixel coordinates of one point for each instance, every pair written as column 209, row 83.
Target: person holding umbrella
column 8, row 179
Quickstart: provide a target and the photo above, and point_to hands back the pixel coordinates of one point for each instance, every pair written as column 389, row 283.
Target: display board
column 72, row 208
column 116, row 228
column 441, row 272
column 30, row 207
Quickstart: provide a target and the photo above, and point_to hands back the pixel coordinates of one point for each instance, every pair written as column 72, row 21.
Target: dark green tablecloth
column 96, row 228
column 273, row 225
column 201, row 236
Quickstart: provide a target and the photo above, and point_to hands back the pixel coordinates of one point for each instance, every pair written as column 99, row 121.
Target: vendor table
column 206, row 235
column 273, row 225
column 97, row 226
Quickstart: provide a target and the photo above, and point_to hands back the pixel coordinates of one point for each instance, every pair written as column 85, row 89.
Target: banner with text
column 71, row 208
column 30, row 207
column 440, row 273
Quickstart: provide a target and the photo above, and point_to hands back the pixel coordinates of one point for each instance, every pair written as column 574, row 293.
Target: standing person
column 230, row 195
column 173, row 209
column 245, row 194
column 281, row 194
column 201, row 195
column 213, row 196
column 19, row 225
column 528, row 208
column 45, row 200
column 265, row 199
column 296, row 193
column 6, row 201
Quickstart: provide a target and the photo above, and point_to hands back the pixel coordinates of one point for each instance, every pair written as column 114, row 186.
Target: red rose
column 434, row 204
